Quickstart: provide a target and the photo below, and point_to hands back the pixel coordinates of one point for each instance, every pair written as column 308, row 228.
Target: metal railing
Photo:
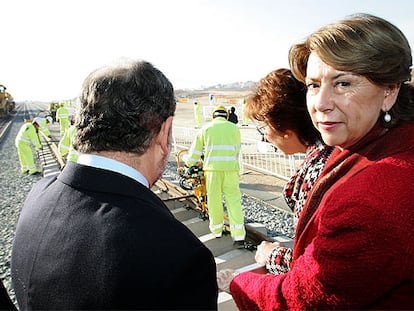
column 255, row 154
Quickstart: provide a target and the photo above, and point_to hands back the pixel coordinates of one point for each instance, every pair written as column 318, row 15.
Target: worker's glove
column 190, row 170
column 224, row 278
column 193, row 170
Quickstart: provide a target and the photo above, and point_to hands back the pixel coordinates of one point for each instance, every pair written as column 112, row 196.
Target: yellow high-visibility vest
column 219, row 142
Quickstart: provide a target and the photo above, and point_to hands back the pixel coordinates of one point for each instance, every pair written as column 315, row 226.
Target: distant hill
column 218, row 88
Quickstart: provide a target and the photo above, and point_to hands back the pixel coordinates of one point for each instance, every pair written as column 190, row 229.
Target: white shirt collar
column 112, row 165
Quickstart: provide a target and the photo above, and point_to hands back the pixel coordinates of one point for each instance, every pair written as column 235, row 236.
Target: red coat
column 354, row 246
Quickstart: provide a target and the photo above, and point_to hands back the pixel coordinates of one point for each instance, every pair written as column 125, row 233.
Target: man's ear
column 164, row 135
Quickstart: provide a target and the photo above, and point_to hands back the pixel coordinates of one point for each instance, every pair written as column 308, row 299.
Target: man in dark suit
column 233, row 116
column 96, row 236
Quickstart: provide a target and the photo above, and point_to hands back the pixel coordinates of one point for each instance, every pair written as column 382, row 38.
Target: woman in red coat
column 354, row 241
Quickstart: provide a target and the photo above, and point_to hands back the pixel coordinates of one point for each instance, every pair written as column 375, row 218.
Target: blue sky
column 49, row 46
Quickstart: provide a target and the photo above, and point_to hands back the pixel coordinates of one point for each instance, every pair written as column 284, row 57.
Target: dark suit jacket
column 95, row 239
column 5, row 300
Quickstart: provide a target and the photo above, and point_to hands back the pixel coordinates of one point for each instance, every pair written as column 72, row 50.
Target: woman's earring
column 387, row 117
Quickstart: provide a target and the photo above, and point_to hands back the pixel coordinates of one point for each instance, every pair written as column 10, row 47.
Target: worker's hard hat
column 49, row 119
column 220, row 111
column 37, row 120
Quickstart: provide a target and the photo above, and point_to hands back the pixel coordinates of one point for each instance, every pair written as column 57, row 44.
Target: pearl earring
column 387, row 117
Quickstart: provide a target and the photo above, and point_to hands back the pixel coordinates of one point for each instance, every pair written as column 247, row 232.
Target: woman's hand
column 264, row 250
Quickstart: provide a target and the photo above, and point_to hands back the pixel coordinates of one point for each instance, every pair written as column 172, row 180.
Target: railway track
column 49, row 157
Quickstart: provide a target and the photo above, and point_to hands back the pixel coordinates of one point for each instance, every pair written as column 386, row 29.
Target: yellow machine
column 7, row 103
column 192, row 179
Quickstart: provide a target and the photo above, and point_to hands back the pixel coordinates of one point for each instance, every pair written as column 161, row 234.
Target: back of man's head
column 122, row 108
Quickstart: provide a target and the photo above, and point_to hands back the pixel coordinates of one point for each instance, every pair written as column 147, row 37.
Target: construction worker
column 27, row 136
column 44, row 123
column 52, row 109
column 65, row 146
column 245, row 119
column 233, row 116
column 198, row 116
column 62, row 116
column 219, row 141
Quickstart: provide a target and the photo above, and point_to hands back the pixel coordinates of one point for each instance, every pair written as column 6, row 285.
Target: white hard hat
column 49, row 118
column 37, row 120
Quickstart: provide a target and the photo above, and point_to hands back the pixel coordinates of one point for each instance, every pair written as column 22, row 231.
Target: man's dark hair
column 122, row 108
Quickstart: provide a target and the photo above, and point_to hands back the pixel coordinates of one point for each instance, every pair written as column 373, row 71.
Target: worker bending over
column 65, row 146
column 26, row 137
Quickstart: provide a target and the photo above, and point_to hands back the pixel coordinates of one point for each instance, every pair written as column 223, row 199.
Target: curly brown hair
column 280, row 101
